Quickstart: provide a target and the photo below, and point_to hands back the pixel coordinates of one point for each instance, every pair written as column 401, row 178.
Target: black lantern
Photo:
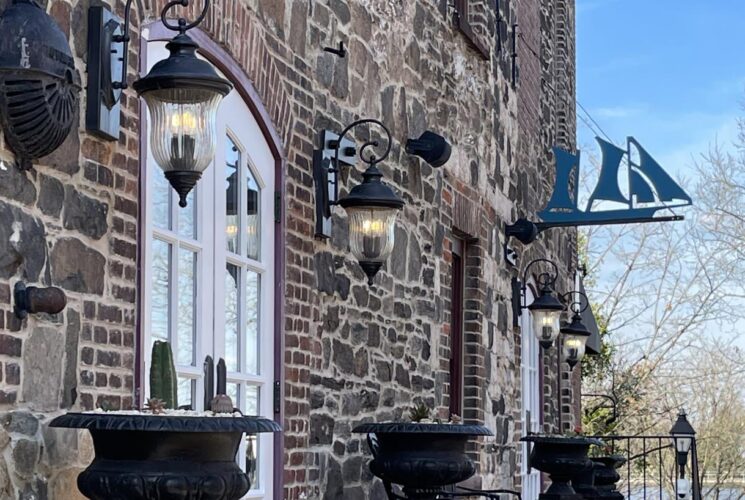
column 371, row 206
column 183, row 94
column 39, row 84
column 546, row 309
column 683, row 435
column 575, row 333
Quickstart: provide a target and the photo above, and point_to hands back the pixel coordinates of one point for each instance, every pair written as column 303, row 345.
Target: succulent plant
column 419, row 413
column 163, row 378
column 155, row 405
column 222, row 403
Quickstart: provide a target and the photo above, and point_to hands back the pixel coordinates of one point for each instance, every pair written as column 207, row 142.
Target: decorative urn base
column 149, row 457
column 422, row 458
column 606, row 476
column 562, row 458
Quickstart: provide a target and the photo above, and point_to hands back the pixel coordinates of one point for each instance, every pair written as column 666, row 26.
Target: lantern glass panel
column 682, row 443
column 546, row 324
column 183, row 131
column 573, row 348
column 371, row 232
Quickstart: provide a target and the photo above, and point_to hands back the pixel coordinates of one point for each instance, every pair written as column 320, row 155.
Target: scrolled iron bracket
column 182, row 27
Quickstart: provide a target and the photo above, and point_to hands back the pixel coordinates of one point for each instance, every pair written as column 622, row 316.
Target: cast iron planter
column 562, row 458
column 422, row 458
column 584, row 482
column 606, row 476
column 148, row 457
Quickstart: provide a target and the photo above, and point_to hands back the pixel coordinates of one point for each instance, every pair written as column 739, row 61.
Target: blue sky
column 670, row 73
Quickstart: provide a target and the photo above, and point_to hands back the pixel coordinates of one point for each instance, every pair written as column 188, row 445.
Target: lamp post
column 683, row 436
column 182, row 93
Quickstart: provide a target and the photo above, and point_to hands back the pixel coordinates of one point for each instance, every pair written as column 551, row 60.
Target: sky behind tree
column 669, row 72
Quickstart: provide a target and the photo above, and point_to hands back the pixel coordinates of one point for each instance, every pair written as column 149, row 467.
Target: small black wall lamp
column 33, row 300
column 182, row 93
column 430, row 147
column 39, row 84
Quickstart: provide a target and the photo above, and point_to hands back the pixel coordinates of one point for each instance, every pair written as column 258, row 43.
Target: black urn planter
column 422, row 458
column 584, row 482
column 148, row 457
column 562, row 458
column 606, row 476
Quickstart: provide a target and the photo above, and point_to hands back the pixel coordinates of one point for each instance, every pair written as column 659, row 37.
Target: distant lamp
column 183, row 94
column 683, row 435
column 575, row 333
column 430, row 147
column 546, row 309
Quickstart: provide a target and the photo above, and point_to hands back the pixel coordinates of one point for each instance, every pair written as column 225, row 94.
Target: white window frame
column 235, row 119
column 531, row 397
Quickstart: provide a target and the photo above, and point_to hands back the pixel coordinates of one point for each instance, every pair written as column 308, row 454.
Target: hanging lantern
column 575, row 340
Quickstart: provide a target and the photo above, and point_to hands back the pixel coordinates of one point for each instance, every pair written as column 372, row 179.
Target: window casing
column 457, row 303
column 531, row 398
column 208, row 284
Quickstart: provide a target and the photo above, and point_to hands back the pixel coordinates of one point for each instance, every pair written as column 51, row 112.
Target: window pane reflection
column 187, row 289
column 252, row 216
column 160, row 304
column 252, row 400
column 232, row 314
column 252, row 321
column 232, row 390
column 187, row 217
column 161, row 200
column 232, row 195
column 186, row 390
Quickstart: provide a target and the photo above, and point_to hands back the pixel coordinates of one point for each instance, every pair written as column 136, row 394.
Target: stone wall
column 70, row 222
column 353, row 353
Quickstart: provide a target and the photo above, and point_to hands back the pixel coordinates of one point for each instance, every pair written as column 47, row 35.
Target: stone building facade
column 498, row 83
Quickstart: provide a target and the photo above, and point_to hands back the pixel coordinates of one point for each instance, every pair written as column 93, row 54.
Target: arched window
column 531, row 397
column 209, row 274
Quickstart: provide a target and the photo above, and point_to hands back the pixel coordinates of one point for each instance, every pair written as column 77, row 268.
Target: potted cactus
column 166, row 453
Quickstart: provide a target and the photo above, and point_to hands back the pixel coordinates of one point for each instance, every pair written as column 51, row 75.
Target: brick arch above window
column 231, row 28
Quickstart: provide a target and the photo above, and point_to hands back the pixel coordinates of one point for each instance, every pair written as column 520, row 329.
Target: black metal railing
column 651, row 471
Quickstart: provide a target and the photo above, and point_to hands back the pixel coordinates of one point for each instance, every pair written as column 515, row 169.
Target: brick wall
column 353, row 353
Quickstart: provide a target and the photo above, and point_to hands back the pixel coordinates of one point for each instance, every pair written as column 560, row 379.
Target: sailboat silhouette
column 650, row 189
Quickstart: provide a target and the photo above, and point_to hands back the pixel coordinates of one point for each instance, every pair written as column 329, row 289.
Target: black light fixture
column 39, row 84
column 575, row 332
column 183, row 94
column 683, row 435
column 371, row 206
column 546, row 309
column 430, row 147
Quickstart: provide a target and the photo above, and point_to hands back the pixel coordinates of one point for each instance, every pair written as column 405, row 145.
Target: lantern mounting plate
column 325, row 176
column 105, row 57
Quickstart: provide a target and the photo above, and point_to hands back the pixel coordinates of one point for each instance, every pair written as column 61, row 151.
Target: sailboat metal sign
column 650, row 189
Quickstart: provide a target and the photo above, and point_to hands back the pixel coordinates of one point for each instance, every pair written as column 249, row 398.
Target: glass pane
column 187, row 217
column 162, row 193
column 252, row 460
column 160, row 303
column 232, row 195
column 252, row 400
column 252, row 216
column 252, row 321
column 233, row 390
column 232, row 315
column 186, row 390
column 187, row 289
